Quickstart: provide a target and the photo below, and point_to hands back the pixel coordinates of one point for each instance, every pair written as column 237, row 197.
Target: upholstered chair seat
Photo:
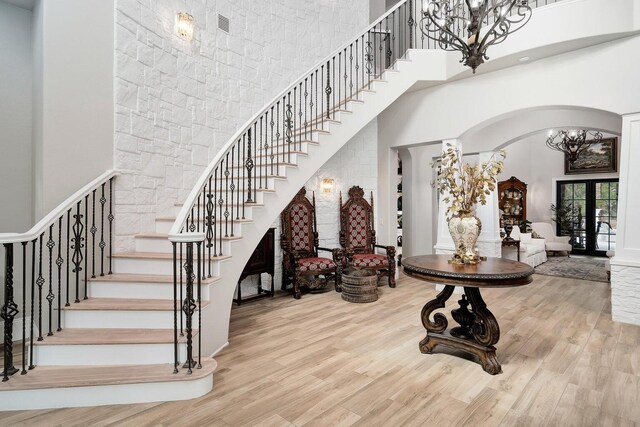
column 369, row 260
column 315, row 264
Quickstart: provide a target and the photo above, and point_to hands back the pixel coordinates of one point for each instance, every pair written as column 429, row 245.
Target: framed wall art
column 598, row 158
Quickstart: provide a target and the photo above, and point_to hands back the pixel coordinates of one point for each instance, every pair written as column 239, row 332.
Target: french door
column 590, row 217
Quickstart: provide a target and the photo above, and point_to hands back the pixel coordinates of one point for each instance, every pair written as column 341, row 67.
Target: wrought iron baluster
column 199, row 303
column 59, row 262
column 220, row 203
column 24, row 308
column 77, row 249
column 210, row 226
column 40, row 283
column 356, row 71
column 328, row 90
column 278, row 134
column 189, row 306
column 272, row 123
column 237, row 183
column 175, row 310
column 181, row 267
column 255, row 148
column 226, row 206
column 204, row 212
column 8, row 313
column 289, row 126
column 242, row 164
column 86, row 250
column 102, row 243
column 67, row 304
column 198, row 214
column 110, row 218
column 94, row 229
column 301, row 129
column 50, row 296
column 339, row 75
column 339, row 79
column 249, row 165
column 351, row 70
column 345, row 73
column 33, row 298
column 289, row 130
column 306, row 96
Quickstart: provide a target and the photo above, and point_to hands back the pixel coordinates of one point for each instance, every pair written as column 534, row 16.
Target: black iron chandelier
column 471, row 26
column 573, row 142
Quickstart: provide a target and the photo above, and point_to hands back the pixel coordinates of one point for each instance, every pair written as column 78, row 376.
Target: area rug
column 576, row 267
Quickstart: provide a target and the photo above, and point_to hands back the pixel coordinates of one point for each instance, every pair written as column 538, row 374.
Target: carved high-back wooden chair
column 358, row 237
column 301, row 264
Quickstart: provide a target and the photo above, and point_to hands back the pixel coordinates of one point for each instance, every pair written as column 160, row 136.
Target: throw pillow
column 535, row 235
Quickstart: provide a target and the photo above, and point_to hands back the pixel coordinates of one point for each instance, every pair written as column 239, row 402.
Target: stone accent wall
column 178, row 102
column 625, row 294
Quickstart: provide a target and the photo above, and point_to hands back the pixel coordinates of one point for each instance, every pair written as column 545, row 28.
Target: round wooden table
column 478, row 331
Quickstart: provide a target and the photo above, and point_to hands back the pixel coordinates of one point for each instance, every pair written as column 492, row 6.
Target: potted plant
column 464, row 186
column 564, row 216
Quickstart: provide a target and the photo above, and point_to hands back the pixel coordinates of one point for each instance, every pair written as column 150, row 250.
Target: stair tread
column 111, row 336
column 125, row 304
column 173, row 218
column 159, row 255
column 144, row 278
column 165, row 236
column 45, row 377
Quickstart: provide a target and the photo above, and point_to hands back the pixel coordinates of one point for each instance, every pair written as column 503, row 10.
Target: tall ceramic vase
column 465, row 229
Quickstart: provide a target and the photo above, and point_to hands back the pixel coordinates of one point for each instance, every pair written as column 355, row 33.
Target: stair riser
column 156, row 266
column 152, row 244
column 109, row 354
column 139, row 290
column 117, row 319
column 149, row 244
column 164, row 225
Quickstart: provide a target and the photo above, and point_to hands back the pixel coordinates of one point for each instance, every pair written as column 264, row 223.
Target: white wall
column 178, row 102
column 73, row 97
column 531, row 161
column 15, row 119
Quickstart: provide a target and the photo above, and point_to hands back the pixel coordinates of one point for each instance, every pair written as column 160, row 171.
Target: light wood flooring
column 321, row 361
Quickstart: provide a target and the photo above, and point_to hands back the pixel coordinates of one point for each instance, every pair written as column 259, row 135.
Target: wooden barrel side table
column 359, row 285
column 478, row 331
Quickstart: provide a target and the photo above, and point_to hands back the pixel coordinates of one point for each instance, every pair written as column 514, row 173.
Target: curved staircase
column 127, row 342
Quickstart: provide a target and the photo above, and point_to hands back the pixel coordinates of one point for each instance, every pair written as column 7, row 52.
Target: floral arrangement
column 466, row 185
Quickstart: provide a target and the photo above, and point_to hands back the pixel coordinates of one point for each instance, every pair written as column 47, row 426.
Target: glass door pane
column 606, row 215
column 571, row 219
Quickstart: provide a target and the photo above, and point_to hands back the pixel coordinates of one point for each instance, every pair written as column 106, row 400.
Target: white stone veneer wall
column 625, row 293
column 178, row 102
column 355, row 164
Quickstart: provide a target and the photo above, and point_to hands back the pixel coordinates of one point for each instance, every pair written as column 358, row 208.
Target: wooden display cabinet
column 512, row 195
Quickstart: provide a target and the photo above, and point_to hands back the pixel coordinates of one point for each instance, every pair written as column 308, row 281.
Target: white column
column 489, row 242
column 444, row 244
column 625, row 266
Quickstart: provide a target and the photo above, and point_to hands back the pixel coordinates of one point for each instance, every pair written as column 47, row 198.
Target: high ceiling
column 24, row 4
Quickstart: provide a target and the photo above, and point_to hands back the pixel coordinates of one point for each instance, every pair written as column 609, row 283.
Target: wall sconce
column 327, row 185
column 184, row 25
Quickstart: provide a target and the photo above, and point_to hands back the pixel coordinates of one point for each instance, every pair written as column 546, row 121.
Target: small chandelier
column 572, row 142
column 471, row 26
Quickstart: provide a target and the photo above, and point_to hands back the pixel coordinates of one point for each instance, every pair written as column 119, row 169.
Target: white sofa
column 532, row 251
column 552, row 242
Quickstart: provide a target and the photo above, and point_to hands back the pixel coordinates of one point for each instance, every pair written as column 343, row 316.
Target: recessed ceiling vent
column 223, row 23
